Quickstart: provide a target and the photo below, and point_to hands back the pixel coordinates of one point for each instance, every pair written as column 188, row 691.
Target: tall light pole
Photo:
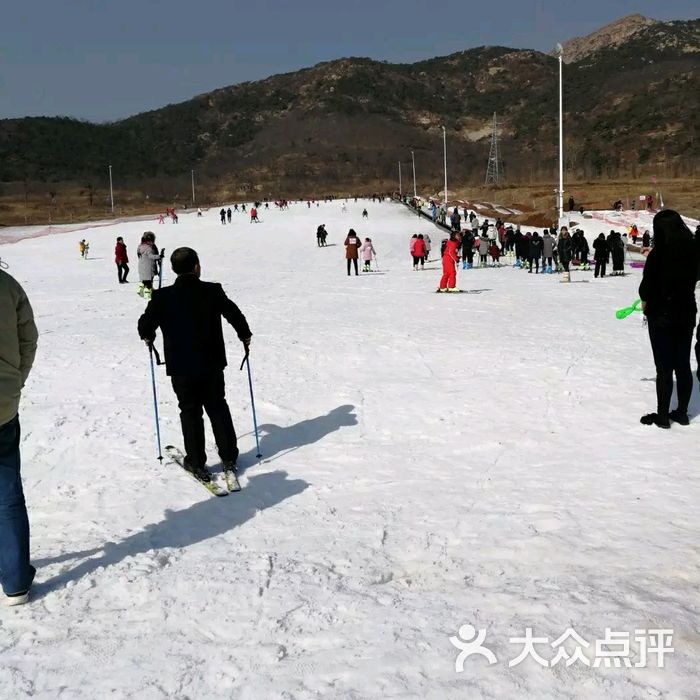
column 111, row 192
column 400, row 187
column 193, row 199
column 413, row 160
column 560, row 195
column 444, row 147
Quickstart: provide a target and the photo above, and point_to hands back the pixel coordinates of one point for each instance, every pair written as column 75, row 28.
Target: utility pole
column 560, row 195
column 400, row 189
column 111, row 192
column 444, row 148
column 413, row 160
column 193, row 199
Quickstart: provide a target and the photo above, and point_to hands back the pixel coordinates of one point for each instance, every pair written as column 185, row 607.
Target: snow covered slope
column 429, row 461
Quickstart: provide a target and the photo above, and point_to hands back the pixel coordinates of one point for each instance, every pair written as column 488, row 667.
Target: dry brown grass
column 536, row 201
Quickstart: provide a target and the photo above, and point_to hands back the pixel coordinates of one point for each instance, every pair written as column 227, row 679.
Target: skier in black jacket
column 189, row 315
column 667, row 292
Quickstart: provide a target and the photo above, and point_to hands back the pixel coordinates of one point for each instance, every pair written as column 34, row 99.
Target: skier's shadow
column 276, row 439
column 202, row 521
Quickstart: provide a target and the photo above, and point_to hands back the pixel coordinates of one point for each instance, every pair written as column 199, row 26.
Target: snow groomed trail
column 429, row 461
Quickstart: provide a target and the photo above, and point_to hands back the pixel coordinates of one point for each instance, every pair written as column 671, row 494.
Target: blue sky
column 106, row 59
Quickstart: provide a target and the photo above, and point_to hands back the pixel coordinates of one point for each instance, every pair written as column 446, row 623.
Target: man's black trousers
column 206, row 392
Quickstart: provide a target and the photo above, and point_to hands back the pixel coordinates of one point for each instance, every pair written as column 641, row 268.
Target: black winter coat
column 600, row 246
column 189, row 315
column 669, row 291
column 564, row 250
column 535, row 248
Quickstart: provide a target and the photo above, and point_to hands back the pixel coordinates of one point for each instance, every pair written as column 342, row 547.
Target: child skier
column 83, row 247
column 495, row 254
column 367, row 253
column 483, row 249
column 148, row 264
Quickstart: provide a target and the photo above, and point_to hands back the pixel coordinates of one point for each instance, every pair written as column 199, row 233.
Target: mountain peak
column 613, row 34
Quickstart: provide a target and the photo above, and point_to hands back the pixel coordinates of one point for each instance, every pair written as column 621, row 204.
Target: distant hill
column 631, row 103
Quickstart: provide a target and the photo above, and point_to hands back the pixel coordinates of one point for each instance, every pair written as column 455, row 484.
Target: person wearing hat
column 149, row 259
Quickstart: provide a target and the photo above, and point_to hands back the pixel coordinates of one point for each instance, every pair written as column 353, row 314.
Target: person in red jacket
column 418, row 251
column 448, row 283
column 122, row 260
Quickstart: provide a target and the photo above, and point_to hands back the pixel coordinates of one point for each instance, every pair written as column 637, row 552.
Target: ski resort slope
column 429, row 461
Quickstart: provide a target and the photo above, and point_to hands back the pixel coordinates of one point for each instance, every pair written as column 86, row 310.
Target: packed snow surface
column 429, row 461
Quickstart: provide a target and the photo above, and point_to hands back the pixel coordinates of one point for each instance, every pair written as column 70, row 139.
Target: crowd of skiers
column 226, row 214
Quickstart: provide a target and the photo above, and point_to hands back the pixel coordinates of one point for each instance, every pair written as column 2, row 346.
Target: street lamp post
column 560, row 197
column 111, row 191
column 413, row 160
column 444, row 147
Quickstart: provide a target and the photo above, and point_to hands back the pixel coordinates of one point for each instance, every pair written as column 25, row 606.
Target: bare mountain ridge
column 630, row 106
column 609, row 36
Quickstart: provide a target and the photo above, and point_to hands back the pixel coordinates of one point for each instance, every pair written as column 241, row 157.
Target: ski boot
column 464, row 266
column 140, row 289
column 147, row 294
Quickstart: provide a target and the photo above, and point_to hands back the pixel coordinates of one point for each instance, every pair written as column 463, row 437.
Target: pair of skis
column 232, row 485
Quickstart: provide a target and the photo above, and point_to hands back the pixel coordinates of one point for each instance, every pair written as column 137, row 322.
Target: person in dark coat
column 646, row 240
column 667, row 292
column 189, row 315
column 535, row 252
column 352, row 246
column 564, row 248
column 467, row 249
column 600, row 253
column 222, row 214
column 617, row 249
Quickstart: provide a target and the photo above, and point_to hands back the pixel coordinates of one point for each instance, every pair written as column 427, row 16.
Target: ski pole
column 155, row 398
column 160, row 270
column 246, row 361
